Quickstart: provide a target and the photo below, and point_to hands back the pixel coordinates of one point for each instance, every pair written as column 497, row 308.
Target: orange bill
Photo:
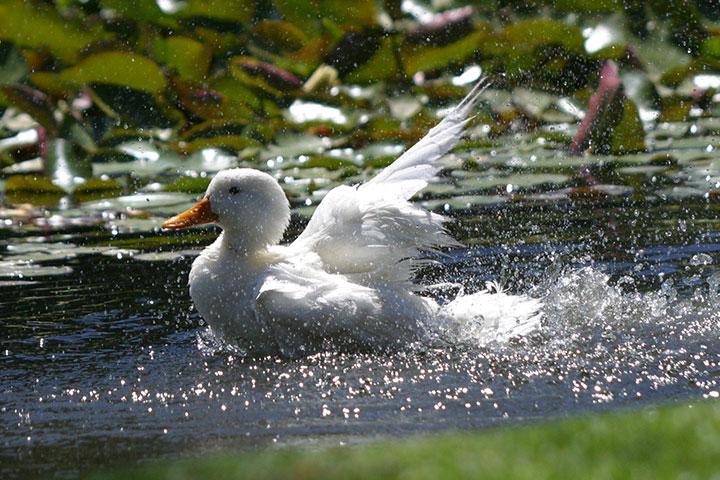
column 198, row 214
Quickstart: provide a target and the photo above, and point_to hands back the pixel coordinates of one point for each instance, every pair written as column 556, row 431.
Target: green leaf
column 96, row 188
column 517, row 46
column 135, row 107
column 124, row 69
column 358, row 13
column 33, row 102
column 381, row 66
column 72, row 130
column 711, row 47
column 674, row 76
column 140, row 10
column 224, row 10
column 526, row 35
column 323, row 161
column 228, row 142
column 518, row 181
column 279, row 35
column 38, row 26
column 31, row 184
column 143, row 201
column 588, row 6
column 308, row 14
column 110, row 155
column 188, row 185
column 190, row 58
column 419, row 58
column 12, row 64
column 239, row 103
column 94, row 185
column 628, row 136
column 225, row 99
column 251, row 81
column 212, row 128
column 675, row 108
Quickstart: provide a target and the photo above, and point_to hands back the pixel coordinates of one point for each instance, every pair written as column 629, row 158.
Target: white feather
column 418, row 164
column 348, row 277
column 373, row 229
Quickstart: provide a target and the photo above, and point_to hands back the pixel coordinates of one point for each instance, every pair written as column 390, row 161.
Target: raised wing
column 372, row 231
column 414, row 168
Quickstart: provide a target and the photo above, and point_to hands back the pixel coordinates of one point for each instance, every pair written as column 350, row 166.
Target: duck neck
column 241, row 245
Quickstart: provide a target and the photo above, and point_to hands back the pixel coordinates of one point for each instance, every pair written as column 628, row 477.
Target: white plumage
column 346, row 281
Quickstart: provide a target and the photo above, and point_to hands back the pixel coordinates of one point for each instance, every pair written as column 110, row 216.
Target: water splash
column 583, row 301
column 573, row 306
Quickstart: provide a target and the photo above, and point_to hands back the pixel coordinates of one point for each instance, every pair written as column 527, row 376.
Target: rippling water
column 104, row 361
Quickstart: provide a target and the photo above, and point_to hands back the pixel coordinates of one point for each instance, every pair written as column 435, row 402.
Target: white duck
column 346, row 281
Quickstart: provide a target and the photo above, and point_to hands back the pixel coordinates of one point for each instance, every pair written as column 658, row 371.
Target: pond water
column 105, row 362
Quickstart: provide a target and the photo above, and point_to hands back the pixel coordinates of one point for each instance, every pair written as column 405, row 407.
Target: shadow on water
column 104, row 361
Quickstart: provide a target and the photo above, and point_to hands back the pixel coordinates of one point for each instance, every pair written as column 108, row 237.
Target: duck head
column 249, row 206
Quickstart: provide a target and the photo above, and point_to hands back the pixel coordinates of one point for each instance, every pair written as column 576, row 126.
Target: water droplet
column 701, row 259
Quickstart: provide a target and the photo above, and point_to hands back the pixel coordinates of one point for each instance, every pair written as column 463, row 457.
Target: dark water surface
column 104, row 361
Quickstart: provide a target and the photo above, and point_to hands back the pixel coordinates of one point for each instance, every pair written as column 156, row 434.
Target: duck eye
column 234, row 190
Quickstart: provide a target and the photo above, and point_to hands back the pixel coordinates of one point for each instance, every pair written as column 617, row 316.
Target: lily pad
column 210, row 160
column 629, row 134
column 188, row 185
column 134, row 107
column 240, row 11
column 422, row 58
column 26, row 269
column 39, row 26
column 148, row 160
column 165, row 256
column 228, row 142
column 307, row 15
column 612, row 123
column 225, row 99
column 511, row 182
column 141, row 201
column 95, row 188
column 323, row 161
column 12, row 64
column 33, row 102
column 279, row 35
column 292, row 145
column 381, row 66
column 143, row 11
column 125, row 69
column 189, row 57
column 526, row 35
column 274, row 79
column 31, row 184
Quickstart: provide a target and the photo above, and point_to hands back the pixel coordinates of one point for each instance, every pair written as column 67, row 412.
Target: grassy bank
column 681, row 441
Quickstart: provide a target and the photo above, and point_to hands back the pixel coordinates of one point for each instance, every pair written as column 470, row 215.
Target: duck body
column 282, row 301
column 347, row 281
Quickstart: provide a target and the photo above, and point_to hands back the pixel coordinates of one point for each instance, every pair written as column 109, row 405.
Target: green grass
column 681, row 441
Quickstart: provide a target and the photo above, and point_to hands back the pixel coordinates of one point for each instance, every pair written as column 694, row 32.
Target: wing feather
column 372, row 231
column 418, row 163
